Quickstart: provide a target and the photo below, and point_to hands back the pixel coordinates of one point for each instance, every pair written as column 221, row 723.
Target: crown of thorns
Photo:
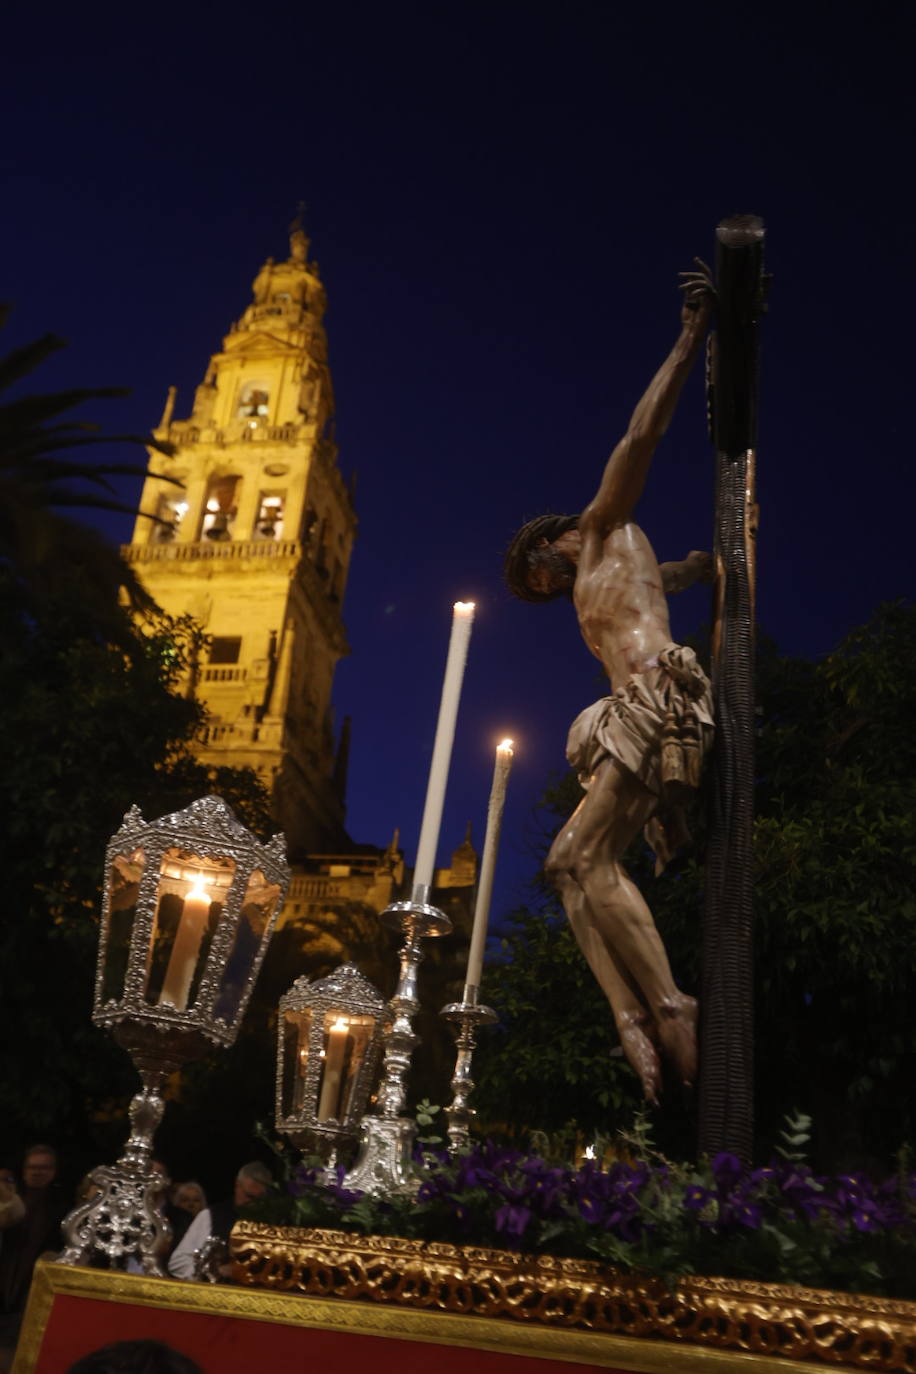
column 521, row 554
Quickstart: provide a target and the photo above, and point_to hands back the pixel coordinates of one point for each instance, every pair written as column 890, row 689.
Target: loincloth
column 659, row 726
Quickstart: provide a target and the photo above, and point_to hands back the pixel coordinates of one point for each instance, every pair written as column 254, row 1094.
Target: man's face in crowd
column 38, row 1170
column 247, row 1190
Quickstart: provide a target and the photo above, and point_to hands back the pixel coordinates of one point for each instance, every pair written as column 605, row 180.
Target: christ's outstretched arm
column 628, row 466
column 696, row 567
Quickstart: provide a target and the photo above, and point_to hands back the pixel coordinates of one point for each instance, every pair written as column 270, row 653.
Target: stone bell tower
column 256, row 546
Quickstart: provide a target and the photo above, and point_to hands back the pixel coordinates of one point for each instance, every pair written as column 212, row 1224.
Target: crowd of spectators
column 33, row 1207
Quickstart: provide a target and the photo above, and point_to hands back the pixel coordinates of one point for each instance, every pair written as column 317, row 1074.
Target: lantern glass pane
column 296, row 1028
column 124, row 887
column 258, row 906
column 192, row 894
column 361, row 1030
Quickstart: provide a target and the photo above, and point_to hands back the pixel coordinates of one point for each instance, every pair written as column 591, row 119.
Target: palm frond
column 32, row 455
column 32, row 410
column 55, row 559
column 21, row 361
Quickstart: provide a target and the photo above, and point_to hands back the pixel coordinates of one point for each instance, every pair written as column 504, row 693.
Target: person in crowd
column 186, row 1201
column 37, row 1230
column 135, row 1357
column 12, row 1208
column 251, row 1183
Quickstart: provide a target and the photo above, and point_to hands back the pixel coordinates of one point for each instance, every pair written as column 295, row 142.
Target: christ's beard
column 561, row 568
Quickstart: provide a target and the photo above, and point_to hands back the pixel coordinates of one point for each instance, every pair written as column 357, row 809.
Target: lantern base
column 123, row 1220
column 384, row 1165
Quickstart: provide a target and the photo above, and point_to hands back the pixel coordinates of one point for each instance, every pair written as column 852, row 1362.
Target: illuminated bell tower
column 256, row 547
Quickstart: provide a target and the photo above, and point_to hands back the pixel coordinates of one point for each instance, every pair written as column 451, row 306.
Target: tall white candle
column 462, row 620
column 194, row 917
column 487, row 869
column 329, row 1102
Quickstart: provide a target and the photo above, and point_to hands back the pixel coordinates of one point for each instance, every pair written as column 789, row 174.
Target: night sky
column 500, row 197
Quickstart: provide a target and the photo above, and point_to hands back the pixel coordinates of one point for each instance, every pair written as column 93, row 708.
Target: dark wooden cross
column 726, row 1063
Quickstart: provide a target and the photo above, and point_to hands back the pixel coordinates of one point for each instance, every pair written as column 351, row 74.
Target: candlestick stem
column 467, row 1015
column 384, row 1163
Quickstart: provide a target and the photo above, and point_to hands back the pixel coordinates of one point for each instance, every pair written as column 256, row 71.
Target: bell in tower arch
column 220, row 508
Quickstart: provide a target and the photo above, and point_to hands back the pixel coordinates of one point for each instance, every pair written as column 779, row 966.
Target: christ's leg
column 614, row 810
column 634, row 1024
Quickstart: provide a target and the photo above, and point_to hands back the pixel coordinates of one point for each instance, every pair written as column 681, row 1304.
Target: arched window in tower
column 254, row 401
column 170, row 511
column 220, row 508
column 321, row 549
column 269, row 524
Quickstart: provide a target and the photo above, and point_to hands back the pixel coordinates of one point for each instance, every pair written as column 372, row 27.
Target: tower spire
column 298, row 240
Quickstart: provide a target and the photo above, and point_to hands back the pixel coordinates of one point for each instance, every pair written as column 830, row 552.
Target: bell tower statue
column 256, row 546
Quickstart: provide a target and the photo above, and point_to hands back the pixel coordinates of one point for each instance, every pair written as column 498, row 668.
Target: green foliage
column 550, row 1059
column 426, row 1113
column 794, row 1138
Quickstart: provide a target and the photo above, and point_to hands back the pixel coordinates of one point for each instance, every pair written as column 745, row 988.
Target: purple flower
column 726, row 1170
column 302, row 1180
column 747, row 1215
column 513, row 1220
column 697, row 1198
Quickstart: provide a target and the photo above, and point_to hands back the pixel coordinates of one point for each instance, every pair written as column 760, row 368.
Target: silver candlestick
column 468, row 1015
column 384, row 1162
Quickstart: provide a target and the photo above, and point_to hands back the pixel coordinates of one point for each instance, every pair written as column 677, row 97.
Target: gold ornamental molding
column 761, row 1319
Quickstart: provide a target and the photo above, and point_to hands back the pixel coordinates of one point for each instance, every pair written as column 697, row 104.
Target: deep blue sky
column 500, row 196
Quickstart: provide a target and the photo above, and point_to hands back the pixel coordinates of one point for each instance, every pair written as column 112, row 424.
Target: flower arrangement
column 780, row 1223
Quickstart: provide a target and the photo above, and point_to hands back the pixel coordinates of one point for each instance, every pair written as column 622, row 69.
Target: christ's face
column 552, row 572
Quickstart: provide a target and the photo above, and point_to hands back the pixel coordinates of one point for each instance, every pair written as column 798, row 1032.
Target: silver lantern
column 328, row 1047
column 189, row 904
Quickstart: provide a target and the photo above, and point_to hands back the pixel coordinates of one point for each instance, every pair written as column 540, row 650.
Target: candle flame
column 341, row 1024
column 198, row 890
column 506, row 746
column 590, row 1152
column 463, row 608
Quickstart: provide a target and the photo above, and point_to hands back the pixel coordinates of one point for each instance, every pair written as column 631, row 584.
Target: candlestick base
column 468, row 1016
column 384, row 1166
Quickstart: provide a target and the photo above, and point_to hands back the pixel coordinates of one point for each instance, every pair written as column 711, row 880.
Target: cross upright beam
column 726, row 1065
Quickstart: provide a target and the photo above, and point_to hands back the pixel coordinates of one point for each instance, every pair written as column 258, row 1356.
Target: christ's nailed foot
column 677, row 1033
column 633, row 1028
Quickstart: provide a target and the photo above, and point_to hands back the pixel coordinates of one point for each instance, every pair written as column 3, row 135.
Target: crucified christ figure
column 638, row 752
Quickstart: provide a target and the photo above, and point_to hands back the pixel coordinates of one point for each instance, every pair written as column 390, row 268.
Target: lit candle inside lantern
column 487, row 869
column 462, row 620
column 329, row 1102
column 194, row 917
